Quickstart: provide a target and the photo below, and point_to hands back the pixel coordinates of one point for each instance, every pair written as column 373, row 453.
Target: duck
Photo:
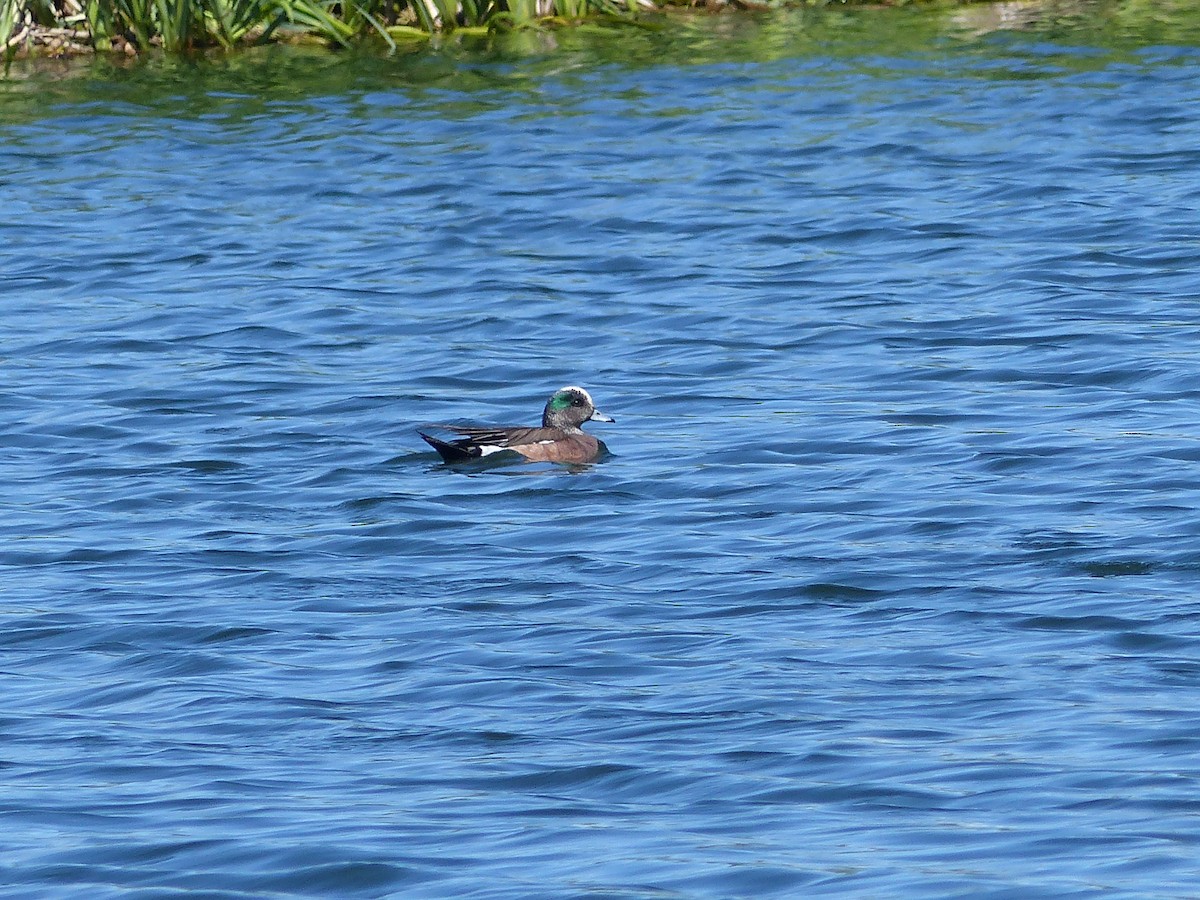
column 560, row 438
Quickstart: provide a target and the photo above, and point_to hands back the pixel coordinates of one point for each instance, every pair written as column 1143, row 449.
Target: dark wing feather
column 506, row 437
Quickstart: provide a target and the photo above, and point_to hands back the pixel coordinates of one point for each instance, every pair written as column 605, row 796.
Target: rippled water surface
column 889, row 587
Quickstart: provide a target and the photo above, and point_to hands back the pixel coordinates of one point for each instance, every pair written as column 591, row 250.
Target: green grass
column 183, row 25
column 8, row 19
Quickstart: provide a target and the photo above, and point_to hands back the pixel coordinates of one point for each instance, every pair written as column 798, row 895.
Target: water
column 888, row 589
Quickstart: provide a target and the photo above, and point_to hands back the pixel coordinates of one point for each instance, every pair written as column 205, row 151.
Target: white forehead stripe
column 577, row 389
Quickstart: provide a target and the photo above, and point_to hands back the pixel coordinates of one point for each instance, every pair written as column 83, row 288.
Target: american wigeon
column 560, row 439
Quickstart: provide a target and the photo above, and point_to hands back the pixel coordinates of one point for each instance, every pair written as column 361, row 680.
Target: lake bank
column 59, row 28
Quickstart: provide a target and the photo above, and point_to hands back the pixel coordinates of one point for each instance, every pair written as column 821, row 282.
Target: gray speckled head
column 570, row 407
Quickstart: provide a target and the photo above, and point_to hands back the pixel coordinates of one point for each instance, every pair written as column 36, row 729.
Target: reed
column 183, row 25
column 9, row 12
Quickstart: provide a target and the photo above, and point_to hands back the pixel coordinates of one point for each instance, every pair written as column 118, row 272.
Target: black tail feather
column 452, row 452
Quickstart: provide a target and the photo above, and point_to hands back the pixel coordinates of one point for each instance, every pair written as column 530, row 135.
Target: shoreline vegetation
column 56, row 28
column 49, row 29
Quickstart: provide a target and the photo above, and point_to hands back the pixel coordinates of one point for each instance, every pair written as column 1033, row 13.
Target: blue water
column 890, row 588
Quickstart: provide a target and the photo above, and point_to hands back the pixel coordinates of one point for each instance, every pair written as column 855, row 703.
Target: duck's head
column 570, row 407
